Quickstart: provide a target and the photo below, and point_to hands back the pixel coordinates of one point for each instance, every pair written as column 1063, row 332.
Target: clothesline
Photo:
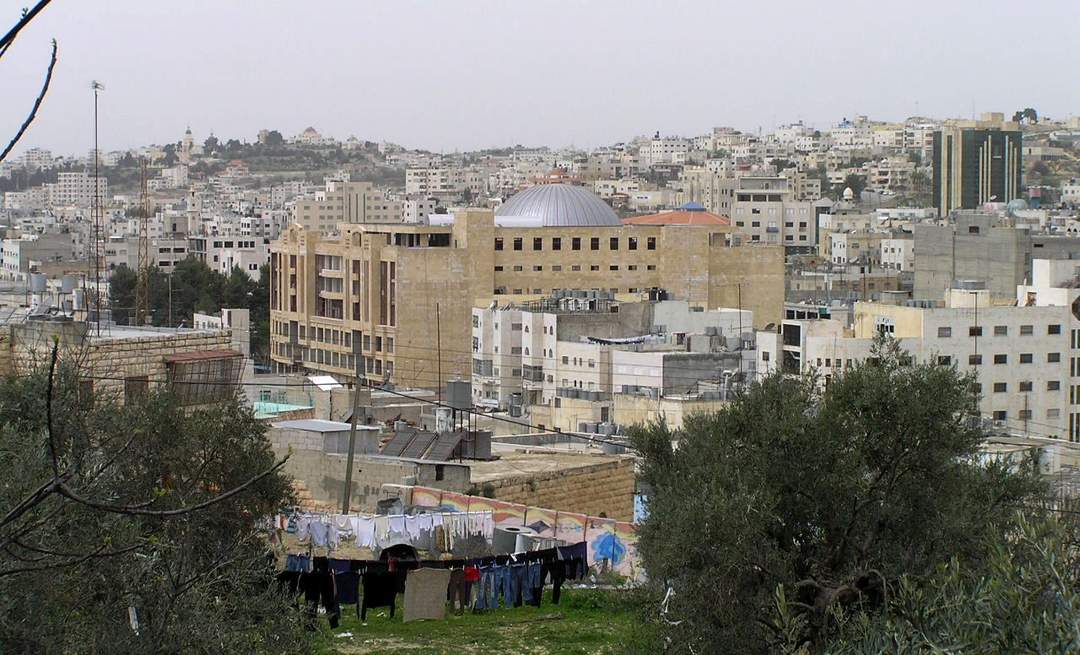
column 377, row 532
column 479, row 582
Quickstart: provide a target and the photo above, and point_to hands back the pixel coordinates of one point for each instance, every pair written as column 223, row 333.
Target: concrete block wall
column 598, row 490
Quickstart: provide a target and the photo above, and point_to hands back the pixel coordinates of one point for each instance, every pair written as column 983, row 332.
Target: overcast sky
column 449, row 75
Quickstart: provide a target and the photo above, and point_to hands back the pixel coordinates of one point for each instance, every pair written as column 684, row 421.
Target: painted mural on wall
column 612, row 545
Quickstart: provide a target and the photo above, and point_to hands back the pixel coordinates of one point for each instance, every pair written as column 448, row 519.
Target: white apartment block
column 1070, row 193
column 417, row 210
column 664, row 151
column 898, row 253
column 77, row 190
column 346, row 202
column 445, row 181
column 1026, row 357
column 763, row 208
column 222, row 253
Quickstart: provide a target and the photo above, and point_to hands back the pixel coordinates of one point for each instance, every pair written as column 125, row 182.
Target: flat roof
column 517, row 461
column 320, row 425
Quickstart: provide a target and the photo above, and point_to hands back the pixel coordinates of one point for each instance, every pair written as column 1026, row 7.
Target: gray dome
column 559, row 205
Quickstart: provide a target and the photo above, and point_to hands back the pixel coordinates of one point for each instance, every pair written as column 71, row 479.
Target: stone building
column 387, row 299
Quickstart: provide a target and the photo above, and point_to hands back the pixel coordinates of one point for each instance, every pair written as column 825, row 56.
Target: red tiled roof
column 679, row 217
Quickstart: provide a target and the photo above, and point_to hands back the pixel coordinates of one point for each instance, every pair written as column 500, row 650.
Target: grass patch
column 584, row 621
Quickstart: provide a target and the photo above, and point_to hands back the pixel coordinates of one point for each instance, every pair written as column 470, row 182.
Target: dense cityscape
column 799, row 390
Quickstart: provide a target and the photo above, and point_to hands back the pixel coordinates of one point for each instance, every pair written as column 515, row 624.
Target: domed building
column 555, row 205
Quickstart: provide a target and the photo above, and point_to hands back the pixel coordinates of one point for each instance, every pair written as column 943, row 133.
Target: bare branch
column 97, row 553
column 140, row 510
column 9, row 38
column 34, row 109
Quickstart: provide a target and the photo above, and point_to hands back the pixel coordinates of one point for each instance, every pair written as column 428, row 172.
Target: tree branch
column 37, row 104
column 9, row 38
column 140, row 510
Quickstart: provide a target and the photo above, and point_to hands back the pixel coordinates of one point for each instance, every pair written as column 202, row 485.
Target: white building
column 898, row 253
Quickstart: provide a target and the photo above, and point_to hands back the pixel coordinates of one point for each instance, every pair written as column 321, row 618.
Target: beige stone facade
column 389, row 297
column 121, row 360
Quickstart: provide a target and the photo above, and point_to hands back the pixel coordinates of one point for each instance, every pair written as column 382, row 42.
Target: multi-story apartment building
column 224, row 253
column 77, row 189
column 898, row 251
column 445, row 182
column 668, row 150
column 387, row 298
column 976, row 162
column 343, row 201
column 1025, row 357
column 763, row 208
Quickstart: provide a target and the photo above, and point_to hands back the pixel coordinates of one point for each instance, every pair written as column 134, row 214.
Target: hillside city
column 811, row 389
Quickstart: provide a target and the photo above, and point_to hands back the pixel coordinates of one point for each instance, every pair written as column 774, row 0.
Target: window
column 631, row 267
column 575, row 267
column 498, row 269
column 1053, row 358
column 944, row 332
column 1053, row 329
column 631, row 243
column 556, row 243
column 1001, row 359
column 1025, row 414
column 594, row 267
column 613, row 267
column 613, row 243
column 944, row 360
column 650, row 243
column 974, row 360
column 1000, row 387
column 537, row 269
column 517, row 243
column 575, row 243
column 1001, row 330
column 498, row 243
column 538, row 243
column 1026, row 358
column 1053, row 385
column 1026, row 330
column 1053, row 413
column 1025, row 386
column 135, row 388
column 978, row 388
column 518, row 268
column 650, row 267
column 975, row 331
column 1000, row 415
column 594, row 243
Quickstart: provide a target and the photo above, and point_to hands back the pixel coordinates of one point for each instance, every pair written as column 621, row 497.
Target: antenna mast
column 95, row 213
column 142, row 285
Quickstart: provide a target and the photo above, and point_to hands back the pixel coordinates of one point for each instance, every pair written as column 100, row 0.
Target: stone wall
column 605, row 489
column 108, row 359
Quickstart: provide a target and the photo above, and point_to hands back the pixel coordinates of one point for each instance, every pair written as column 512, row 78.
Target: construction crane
column 142, row 283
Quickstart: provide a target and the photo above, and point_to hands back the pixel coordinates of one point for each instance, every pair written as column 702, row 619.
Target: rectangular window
column 594, row 243
column 556, row 243
column 1053, row 385
column 1025, row 386
column 613, row 267
column 498, row 243
column 1001, row 359
column 1000, row 387
column 517, row 243
column 537, row 269
column 1001, row 330
column 1026, row 358
column 136, row 388
column 631, row 243
column 944, row 360
column 613, row 243
column 1053, row 358
column 974, row 360
column 538, row 243
column 1026, row 330
column 1025, row 414
column 1053, row 329
column 1000, row 415
column 575, row 243
column 975, row 331
column 594, row 267
column 944, row 332
column 650, row 243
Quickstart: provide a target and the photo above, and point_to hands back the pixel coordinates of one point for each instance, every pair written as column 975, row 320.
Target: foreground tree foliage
column 830, row 496
column 1025, row 600
column 119, row 533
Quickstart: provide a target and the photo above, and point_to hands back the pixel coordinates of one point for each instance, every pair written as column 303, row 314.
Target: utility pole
column 352, row 445
column 438, row 350
column 142, row 285
column 95, row 210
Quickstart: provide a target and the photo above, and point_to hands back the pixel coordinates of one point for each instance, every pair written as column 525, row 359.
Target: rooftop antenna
column 95, row 211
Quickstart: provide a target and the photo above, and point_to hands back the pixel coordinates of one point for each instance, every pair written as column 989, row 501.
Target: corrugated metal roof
column 560, row 205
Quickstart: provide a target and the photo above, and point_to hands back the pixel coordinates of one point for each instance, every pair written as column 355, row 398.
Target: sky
column 458, row 75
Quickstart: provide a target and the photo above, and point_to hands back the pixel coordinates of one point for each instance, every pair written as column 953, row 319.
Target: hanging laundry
column 380, row 590
column 425, row 594
column 365, row 532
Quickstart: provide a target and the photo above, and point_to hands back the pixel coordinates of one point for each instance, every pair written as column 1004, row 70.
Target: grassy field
column 584, row 621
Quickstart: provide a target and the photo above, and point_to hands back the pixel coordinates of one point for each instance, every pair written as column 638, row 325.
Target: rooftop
column 558, row 205
column 682, row 216
column 319, row 425
column 524, row 461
